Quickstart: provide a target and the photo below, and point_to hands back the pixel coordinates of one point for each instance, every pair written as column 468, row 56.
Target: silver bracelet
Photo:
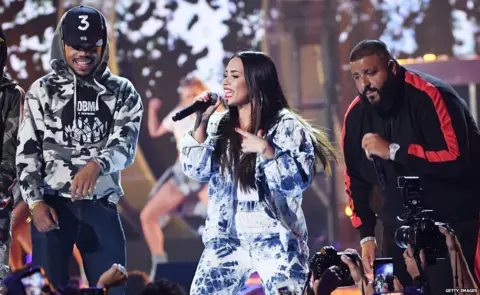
column 366, row 239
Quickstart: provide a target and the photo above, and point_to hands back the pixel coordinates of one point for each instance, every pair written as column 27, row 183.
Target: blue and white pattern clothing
column 280, row 182
column 250, row 195
column 226, row 263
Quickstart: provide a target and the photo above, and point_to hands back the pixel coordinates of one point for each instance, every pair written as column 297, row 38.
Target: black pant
column 440, row 274
column 96, row 229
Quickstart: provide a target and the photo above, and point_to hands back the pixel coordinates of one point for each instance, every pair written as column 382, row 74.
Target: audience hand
column 397, row 285
column 411, row 263
column 329, row 281
column 354, row 266
column 116, row 276
column 452, row 242
column 356, row 271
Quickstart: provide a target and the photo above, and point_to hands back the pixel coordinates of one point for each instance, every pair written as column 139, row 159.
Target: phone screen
column 33, row 283
column 383, row 275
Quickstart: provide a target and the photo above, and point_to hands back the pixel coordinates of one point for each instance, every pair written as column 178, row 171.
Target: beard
column 386, row 95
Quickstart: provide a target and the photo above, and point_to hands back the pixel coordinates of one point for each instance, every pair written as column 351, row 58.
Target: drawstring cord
column 74, row 102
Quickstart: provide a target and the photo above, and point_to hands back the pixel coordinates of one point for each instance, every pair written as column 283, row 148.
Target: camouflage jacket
column 280, row 181
column 11, row 96
column 53, row 147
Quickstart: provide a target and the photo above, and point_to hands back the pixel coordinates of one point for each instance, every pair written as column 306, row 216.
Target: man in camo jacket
column 80, row 129
column 11, row 96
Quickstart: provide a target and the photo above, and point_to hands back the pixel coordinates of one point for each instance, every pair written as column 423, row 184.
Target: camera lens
column 403, row 236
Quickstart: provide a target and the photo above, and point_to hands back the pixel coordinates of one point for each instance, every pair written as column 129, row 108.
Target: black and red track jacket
column 439, row 142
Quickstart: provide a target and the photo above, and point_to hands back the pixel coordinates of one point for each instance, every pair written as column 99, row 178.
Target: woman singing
column 257, row 163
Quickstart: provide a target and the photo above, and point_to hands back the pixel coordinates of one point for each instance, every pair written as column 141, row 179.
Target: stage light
column 348, row 210
column 429, row 57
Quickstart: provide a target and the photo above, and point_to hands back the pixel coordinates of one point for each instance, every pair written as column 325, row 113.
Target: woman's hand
column 255, row 144
column 204, row 115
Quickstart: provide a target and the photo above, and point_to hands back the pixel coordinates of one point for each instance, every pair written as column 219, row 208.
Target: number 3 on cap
column 83, row 22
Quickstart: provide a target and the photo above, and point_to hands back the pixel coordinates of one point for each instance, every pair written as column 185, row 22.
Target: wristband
column 366, row 239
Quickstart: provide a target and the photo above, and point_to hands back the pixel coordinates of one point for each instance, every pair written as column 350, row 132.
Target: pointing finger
column 241, row 132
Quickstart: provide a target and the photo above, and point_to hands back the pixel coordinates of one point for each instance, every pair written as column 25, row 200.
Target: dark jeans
column 94, row 226
column 440, row 275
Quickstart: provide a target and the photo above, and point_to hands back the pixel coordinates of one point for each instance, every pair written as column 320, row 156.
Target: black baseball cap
column 83, row 27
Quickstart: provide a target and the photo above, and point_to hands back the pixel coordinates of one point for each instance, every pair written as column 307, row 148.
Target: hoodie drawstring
column 74, row 102
column 104, row 90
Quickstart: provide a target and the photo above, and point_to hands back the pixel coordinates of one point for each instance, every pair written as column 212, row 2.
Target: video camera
column 327, row 257
column 418, row 229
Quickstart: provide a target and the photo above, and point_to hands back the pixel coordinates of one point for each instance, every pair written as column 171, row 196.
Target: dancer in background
column 173, row 186
column 257, row 163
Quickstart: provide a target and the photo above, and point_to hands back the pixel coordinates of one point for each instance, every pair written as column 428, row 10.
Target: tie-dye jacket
column 280, row 181
column 49, row 154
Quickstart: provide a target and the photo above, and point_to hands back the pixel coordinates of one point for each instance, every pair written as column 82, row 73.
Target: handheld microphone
column 196, row 106
column 382, row 176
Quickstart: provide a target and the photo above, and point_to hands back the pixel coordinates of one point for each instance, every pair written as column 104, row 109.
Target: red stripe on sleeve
column 356, row 221
column 453, row 151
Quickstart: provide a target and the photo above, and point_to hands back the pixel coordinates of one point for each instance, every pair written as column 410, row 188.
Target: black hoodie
column 439, row 142
column 11, row 96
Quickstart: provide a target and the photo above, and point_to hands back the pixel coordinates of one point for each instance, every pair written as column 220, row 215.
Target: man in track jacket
column 411, row 124
column 79, row 131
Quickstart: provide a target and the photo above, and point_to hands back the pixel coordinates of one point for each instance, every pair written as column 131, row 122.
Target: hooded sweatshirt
column 11, row 96
column 70, row 121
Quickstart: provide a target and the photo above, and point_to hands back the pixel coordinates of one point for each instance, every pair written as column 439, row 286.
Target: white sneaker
column 4, row 271
column 200, row 230
column 164, row 220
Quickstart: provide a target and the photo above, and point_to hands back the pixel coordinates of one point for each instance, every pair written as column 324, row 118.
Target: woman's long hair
column 267, row 99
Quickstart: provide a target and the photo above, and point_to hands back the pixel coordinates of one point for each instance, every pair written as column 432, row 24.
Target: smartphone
column 383, row 275
column 34, row 282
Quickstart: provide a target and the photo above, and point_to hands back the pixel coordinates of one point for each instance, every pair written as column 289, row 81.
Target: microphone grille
column 214, row 97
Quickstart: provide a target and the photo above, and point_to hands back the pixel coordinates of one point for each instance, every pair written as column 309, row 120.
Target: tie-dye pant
column 226, row 263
